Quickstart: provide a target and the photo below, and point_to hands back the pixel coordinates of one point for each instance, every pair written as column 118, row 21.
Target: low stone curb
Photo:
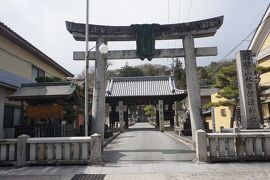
column 182, row 139
column 108, row 141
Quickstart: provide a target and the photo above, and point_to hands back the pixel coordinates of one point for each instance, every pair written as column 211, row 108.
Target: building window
column 12, row 116
column 223, row 112
column 36, row 72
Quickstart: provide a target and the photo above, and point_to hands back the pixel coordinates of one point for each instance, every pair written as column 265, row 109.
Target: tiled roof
column 43, row 90
column 208, row 91
column 18, row 40
column 11, row 80
column 142, row 86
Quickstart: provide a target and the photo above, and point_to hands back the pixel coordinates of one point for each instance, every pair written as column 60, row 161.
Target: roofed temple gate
column 145, row 36
column 123, row 93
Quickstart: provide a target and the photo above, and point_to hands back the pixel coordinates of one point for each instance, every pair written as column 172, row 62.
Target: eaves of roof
column 261, row 32
column 208, row 91
column 142, row 87
column 43, row 91
column 11, row 80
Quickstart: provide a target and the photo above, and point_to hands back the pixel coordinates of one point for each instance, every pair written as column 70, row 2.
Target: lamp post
column 86, row 116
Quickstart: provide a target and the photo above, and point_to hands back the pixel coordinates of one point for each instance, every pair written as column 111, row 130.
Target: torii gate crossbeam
column 160, row 53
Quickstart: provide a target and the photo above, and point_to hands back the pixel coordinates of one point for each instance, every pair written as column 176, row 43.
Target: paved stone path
column 155, row 171
column 143, row 154
column 145, row 144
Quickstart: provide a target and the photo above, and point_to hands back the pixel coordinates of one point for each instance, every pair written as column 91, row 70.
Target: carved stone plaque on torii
column 145, row 36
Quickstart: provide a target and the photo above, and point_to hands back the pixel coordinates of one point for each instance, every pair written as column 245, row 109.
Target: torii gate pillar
column 98, row 104
column 193, row 86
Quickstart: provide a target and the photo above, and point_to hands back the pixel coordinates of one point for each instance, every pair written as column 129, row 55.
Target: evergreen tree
column 179, row 74
column 128, row 71
column 227, row 82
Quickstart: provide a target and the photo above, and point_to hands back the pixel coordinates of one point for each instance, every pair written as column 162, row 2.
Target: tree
column 150, row 69
column 226, row 81
column 112, row 73
column 154, row 69
column 91, row 75
column 179, row 74
column 70, row 114
column 203, row 76
column 49, row 79
column 128, row 71
column 150, row 110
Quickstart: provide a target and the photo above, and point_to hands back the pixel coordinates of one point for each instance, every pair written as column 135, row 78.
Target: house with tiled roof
column 20, row 62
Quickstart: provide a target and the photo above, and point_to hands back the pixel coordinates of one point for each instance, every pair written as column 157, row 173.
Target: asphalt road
column 142, row 143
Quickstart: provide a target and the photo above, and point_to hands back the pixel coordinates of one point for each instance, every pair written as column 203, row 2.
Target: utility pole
column 86, row 88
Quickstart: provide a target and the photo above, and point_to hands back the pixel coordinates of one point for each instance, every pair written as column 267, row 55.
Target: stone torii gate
column 185, row 31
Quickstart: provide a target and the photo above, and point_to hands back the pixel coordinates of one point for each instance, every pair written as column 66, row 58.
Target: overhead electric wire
column 178, row 20
column 179, row 15
column 168, row 6
column 179, row 11
column 189, row 10
column 245, row 39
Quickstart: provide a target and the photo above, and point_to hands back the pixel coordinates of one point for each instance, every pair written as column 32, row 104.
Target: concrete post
column 161, row 115
column 193, row 87
column 213, row 119
column 96, row 155
column 86, row 81
column 129, row 119
column 2, row 105
column 98, row 107
column 21, row 150
column 236, row 130
column 175, row 116
column 121, row 116
column 201, row 146
column 247, row 90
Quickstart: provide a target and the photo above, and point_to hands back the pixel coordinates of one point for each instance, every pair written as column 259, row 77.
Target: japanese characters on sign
column 247, row 88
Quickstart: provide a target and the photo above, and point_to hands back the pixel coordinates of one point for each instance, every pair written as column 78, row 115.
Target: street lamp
column 103, row 49
column 86, row 116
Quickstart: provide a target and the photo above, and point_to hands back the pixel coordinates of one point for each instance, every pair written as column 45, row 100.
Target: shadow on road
column 142, row 129
column 163, row 151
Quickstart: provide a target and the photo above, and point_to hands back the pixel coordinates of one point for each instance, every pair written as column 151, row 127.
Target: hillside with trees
column 207, row 74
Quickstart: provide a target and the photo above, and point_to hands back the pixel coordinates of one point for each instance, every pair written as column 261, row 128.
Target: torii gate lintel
column 197, row 29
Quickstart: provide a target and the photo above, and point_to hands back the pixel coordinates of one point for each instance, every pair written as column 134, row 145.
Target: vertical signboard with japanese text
column 247, row 90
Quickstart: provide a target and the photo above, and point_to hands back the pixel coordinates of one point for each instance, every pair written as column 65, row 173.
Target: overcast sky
column 42, row 23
